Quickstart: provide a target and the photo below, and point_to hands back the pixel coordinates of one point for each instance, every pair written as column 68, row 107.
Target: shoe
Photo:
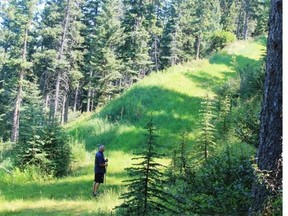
column 95, row 194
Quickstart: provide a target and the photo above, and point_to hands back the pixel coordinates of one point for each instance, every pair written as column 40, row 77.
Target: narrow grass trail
column 172, row 97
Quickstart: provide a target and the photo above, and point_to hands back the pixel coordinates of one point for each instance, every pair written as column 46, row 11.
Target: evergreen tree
column 135, row 50
column 250, row 13
column 61, row 42
column 181, row 155
column 225, row 116
column 105, row 62
column 145, row 194
column 171, row 52
column 228, row 15
column 206, row 141
column 186, row 22
column 260, row 14
column 4, row 132
column 155, row 22
column 17, row 22
column 207, row 20
column 44, row 147
column 91, row 10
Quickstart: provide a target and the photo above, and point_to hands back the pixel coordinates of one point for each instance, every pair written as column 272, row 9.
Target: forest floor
column 173, row 98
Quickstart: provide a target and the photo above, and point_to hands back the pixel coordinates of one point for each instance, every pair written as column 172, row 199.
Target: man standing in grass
column 99, row 169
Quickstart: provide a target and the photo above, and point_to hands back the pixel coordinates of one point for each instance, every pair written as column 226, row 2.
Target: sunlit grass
column 102, row 205
column 172, row 97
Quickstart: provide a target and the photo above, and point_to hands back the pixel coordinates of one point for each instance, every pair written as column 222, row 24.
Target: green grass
column 172, row 97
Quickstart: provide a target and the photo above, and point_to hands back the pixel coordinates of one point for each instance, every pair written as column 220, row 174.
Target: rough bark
column 270, row 144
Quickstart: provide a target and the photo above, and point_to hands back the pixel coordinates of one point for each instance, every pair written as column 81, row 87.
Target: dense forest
column 61, row 56
column 61, row 59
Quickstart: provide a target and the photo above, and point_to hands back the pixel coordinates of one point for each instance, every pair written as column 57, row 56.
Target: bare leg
column 95, row 187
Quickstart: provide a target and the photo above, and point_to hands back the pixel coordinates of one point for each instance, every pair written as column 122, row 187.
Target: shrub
column 251, row 81
column 46, row 148
column 30, row 173
column 222, row 186
column 220, row 39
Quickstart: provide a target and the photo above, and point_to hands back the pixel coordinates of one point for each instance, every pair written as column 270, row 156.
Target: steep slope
column 172, row 97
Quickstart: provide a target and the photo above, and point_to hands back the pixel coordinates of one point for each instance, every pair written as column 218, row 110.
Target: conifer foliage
column 206, row 140
column 146, row 195
column 81, row 54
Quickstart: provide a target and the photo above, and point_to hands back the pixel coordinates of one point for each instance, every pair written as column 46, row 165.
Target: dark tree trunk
column 239, row 22
column 246, row 19
column 89, row 92
column 270, row 145
column 76, row 99
column 198, row 42
column 66, row 112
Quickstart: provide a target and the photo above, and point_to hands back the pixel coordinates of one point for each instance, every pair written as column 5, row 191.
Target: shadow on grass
column 172, row 112
column 206, row 80
column 60, row 212
column 235, row 62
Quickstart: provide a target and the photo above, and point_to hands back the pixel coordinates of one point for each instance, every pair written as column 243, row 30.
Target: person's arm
column 102, row 162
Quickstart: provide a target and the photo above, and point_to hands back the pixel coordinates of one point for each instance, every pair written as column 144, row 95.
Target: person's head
column 101, row 148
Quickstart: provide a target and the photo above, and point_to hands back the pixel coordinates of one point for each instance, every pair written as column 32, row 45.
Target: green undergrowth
column 171, row 97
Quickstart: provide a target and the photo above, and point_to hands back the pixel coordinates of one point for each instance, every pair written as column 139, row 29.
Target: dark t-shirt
column 99, row 159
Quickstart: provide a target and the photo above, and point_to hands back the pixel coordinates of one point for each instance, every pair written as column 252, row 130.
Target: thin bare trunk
column 16, row 115
column 47, row 98
column 156, row 53
column 66, row 109
column 57, row 95
column 63, row 110
column 89, row 92
column 60, row 57
column 92, row 101
column 76, row 99
column 239, row 23
column 198, row 42
column 246, row 20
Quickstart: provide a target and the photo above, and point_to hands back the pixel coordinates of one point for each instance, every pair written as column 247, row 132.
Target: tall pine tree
column 105, row 63
column 171, row 52
column 60, row 45
column 16, row 27
column 135, row 51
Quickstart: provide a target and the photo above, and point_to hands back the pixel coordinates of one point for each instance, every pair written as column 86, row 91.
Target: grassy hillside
column 172, row 97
